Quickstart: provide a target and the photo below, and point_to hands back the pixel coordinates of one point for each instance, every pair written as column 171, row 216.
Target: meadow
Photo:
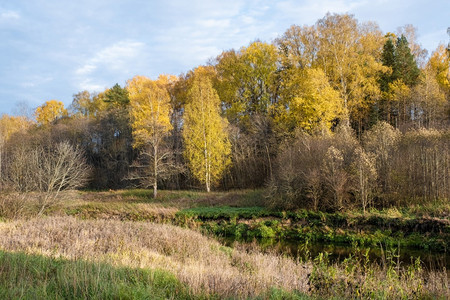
column 127, row 245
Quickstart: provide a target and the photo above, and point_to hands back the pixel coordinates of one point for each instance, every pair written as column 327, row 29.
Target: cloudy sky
column 51, row 49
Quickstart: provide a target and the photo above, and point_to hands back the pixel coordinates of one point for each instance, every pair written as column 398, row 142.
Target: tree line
column 325, row 116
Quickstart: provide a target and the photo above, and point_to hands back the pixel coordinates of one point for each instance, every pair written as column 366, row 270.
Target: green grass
column 25, row 276
column 226, row 212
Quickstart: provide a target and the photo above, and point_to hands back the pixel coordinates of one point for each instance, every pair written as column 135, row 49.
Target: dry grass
column 202, row 263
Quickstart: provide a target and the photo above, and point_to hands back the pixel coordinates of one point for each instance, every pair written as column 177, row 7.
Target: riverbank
column 169, row 247
column 86, row 258
column 240, row 215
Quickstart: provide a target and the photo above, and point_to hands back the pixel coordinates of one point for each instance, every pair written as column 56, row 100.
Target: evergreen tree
column 388, row 60
column 405, row 66
column 117, row 96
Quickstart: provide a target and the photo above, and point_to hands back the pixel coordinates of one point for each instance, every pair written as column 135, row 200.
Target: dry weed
column 200, row 262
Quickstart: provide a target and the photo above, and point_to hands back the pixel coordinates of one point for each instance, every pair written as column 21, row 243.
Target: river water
column 430, row 260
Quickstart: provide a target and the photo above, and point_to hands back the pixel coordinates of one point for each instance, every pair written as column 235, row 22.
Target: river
column 430, row 260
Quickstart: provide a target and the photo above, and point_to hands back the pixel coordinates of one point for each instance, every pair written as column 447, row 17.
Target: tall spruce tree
column 405, row 66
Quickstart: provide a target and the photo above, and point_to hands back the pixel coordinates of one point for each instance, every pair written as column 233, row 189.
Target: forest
column 325, row 120
column 325, row 116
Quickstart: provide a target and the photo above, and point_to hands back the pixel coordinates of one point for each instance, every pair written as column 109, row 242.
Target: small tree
column 365, row 176
column 335, row 176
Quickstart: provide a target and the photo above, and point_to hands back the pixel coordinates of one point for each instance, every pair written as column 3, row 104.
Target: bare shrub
column 422, row 166
column 364, row 177
column 335, row 176
column 314, row 171
column 12, row 205
column 46, row 170
column 382, row 140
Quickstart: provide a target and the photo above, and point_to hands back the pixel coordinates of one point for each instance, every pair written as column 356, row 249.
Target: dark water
column 430, row 260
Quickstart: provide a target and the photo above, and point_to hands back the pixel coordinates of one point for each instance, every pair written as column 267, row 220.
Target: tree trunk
column 155, row 172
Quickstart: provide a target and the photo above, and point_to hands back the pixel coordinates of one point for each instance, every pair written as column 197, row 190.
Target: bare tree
column 365, row 176
column 47, row 170
column 335, row 177
column 151, row 167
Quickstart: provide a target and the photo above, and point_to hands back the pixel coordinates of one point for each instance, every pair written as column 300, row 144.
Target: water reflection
column 431, row 260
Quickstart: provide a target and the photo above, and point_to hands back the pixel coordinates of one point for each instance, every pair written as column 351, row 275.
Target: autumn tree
column 150, row 115
column 398, row 96
column 245, row 81
column 298, row 47
column 309, row 102
column 9, row 125
column 207, row 148
column 349, row 55
column 439, row 63
column 429, row 101
column 50, row 111
column 87, row 104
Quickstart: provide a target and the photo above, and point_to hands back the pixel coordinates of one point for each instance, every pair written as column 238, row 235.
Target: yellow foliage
column 440, row 64
column 311, row 102
column 398, row 91
column 150, row 109
column 50, row 111
column 10, row 125
column 245, row 80
column 207, row 146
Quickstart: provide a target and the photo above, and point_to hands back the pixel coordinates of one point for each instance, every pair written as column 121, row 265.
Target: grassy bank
column 241, row 214
column 339, row 228
column 106, row 257
column 24, row 276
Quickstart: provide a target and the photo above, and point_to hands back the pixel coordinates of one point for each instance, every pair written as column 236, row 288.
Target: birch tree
column 150, row 114
column 207, row 147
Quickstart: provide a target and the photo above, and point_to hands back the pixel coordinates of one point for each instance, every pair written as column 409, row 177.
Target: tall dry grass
column 200, row 262
column 209, row 268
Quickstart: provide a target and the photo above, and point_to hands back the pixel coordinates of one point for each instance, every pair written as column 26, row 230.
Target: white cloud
column 89, row 85
column 113, row 60
column 114, row 57
column 9, row 15
column 86, row 69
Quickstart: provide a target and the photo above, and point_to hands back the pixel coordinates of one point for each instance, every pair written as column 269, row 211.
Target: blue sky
column 51, row 49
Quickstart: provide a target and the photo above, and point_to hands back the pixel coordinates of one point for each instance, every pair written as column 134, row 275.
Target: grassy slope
column 114, row 249
column 106, row 258
column 24, row 276
column 199, row 262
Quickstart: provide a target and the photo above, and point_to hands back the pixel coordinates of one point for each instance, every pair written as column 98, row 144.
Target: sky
column 52, row 49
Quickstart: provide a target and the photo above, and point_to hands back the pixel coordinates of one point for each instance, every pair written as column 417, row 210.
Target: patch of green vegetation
column 138, row 193
column 226, row 212
column 25, row 276
column 280, row 294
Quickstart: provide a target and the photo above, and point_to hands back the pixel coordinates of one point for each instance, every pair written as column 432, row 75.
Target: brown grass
column 200, row 262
